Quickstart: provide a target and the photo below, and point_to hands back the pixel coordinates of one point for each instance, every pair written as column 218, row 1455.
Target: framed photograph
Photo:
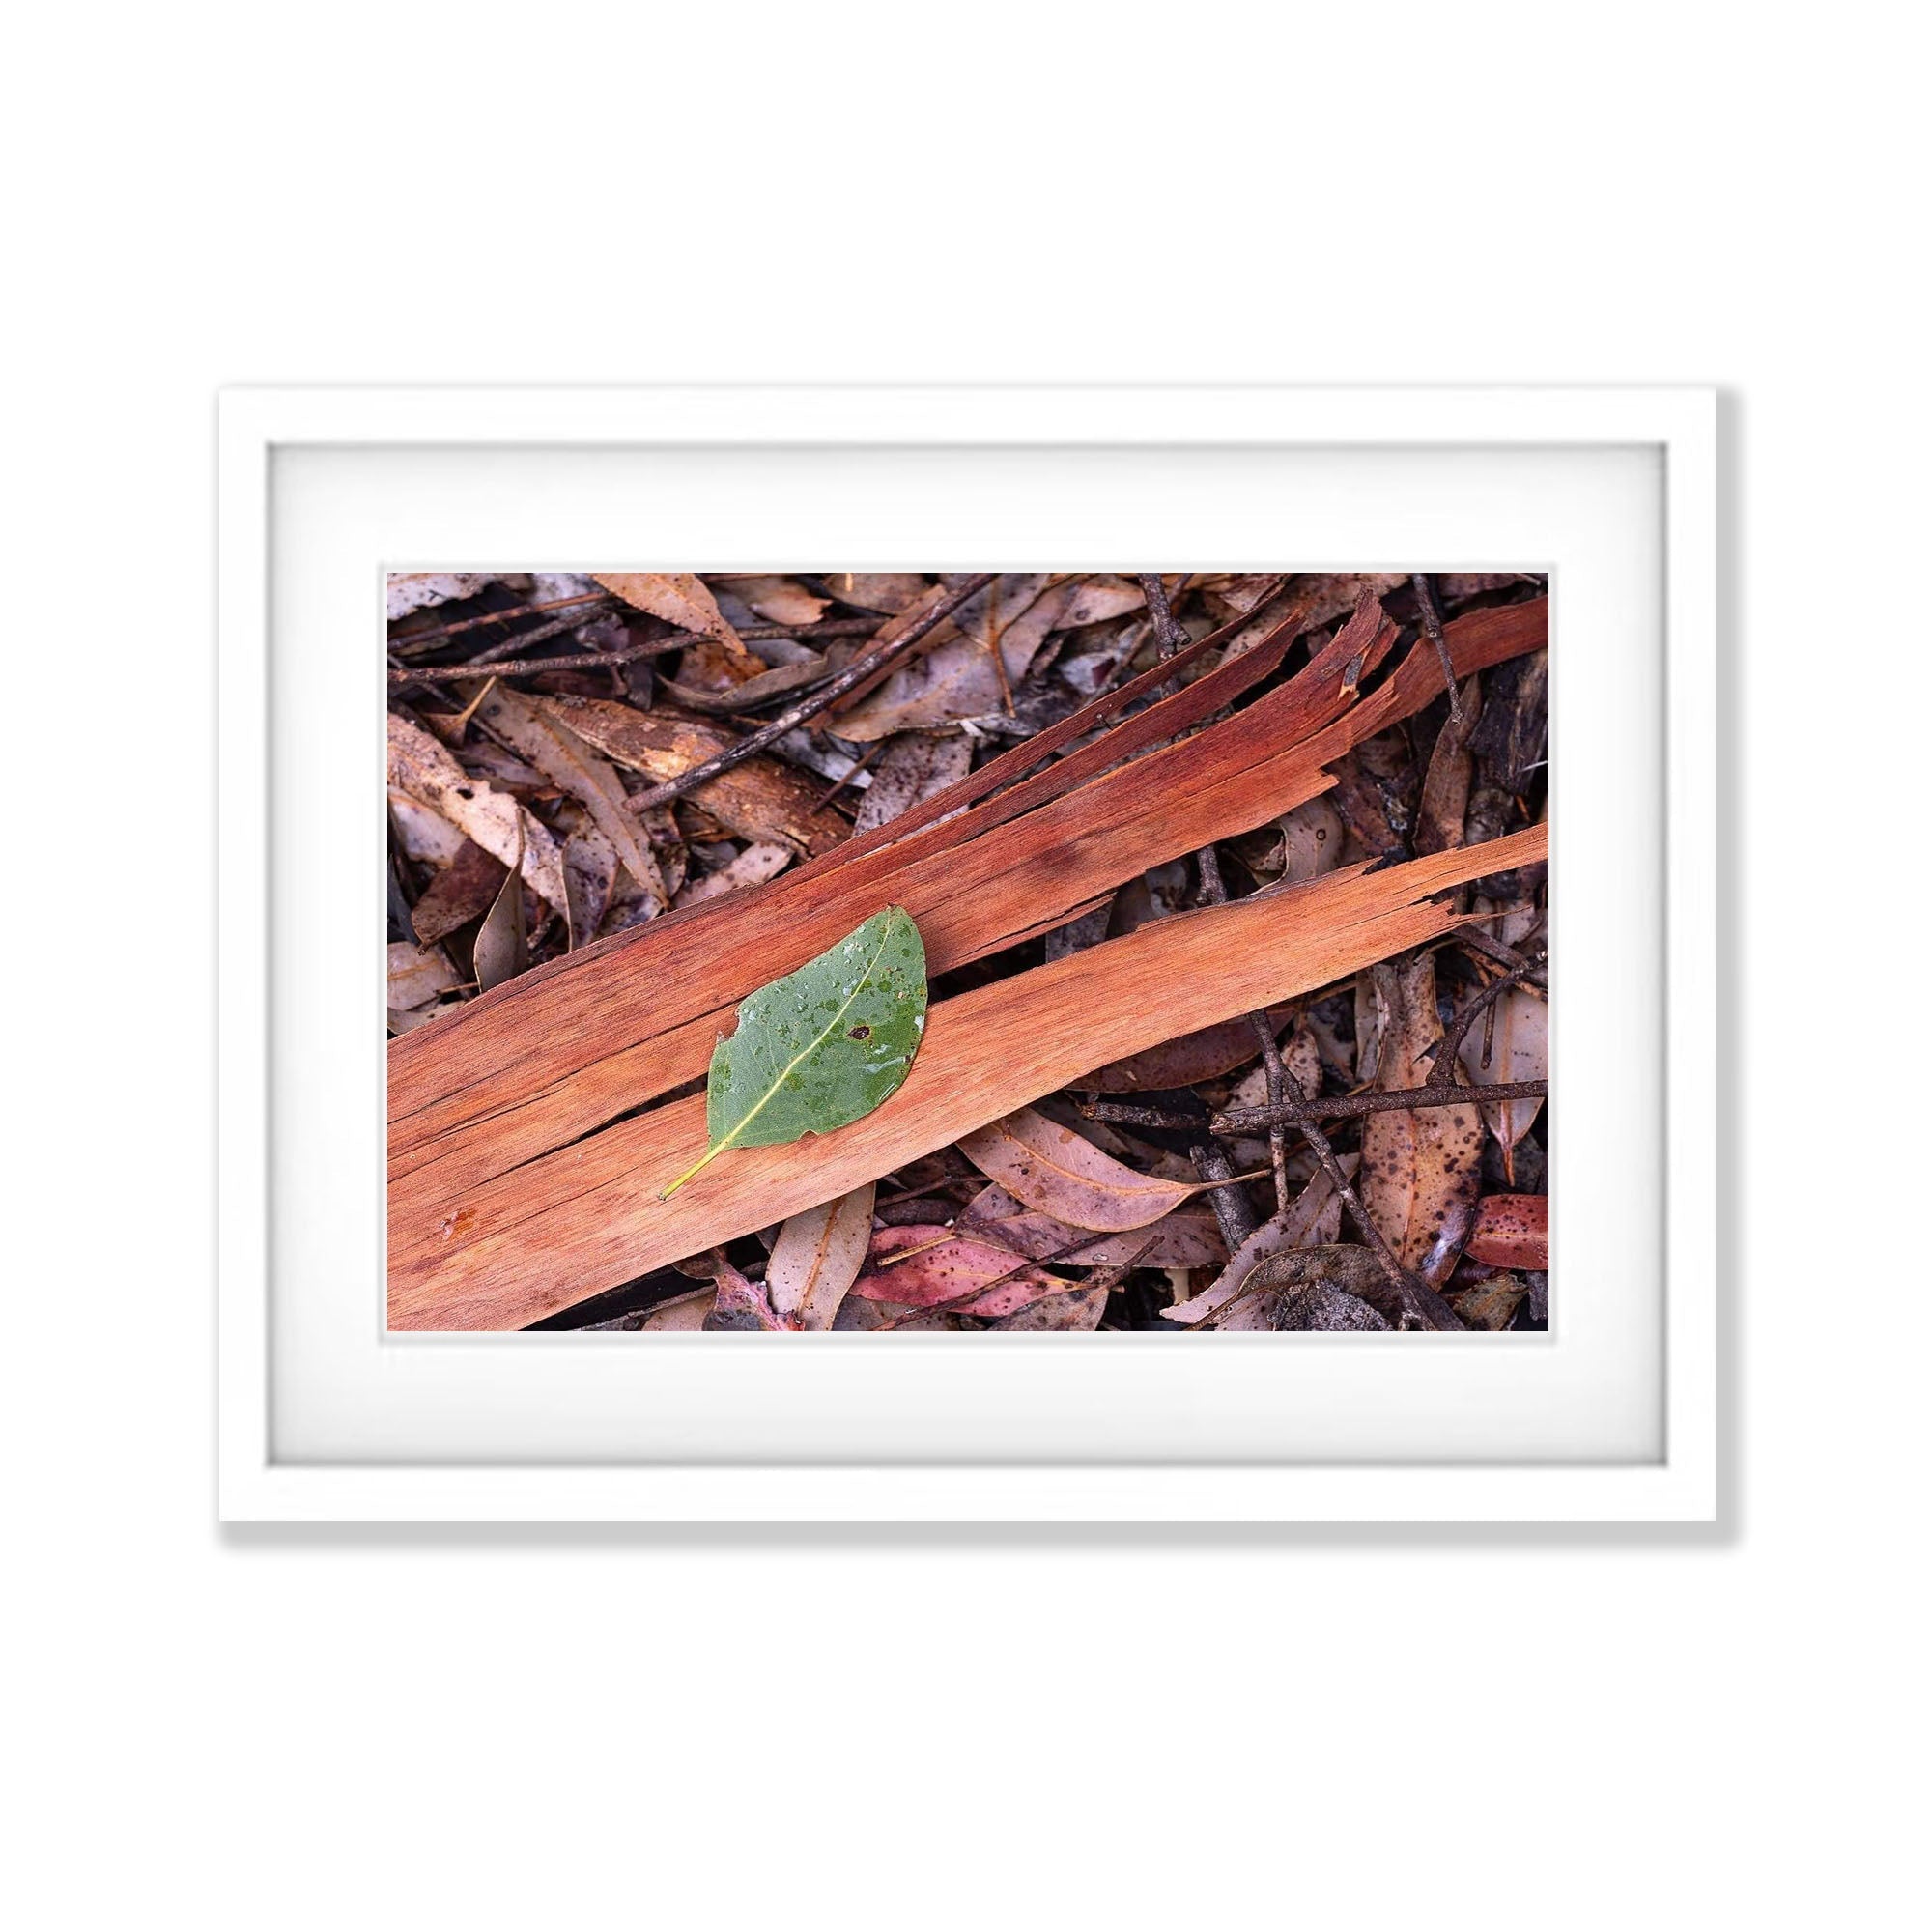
column 835, row 954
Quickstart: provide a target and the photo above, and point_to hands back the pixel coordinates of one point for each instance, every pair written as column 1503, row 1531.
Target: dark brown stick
column 486, row 667
column 657, row 647
column 1166, row 626
column 1233, row 1210
column 1431, row 623
column 1343, row 1107
column 1442, row 1055
column 863, row 666
column 428, row 640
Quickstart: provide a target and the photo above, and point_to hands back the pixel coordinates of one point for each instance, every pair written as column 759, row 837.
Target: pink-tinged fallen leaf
column 739, row 1303
column 817, row 1258
column 923, row 1265
column 1206, row 1055
column 1186, row 1237
column 424, row 769
column 464, row 889
column 1055, row 1169
column 1512, row 1230
column 1076, row 1311
column 1312, row 1220
column 1421, row 1168
column 679, row 598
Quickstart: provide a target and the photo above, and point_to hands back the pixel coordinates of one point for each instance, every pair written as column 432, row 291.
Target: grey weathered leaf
column 538, row 734
column 821, row 1047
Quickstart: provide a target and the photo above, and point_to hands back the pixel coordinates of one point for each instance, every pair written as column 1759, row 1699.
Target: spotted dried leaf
column 1421, row 1167
column 427, row 773
column 679, row 598
column 817, row 1258
column 1058, row 1171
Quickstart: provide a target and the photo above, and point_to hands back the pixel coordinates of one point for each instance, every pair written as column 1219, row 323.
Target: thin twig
column 1342, row 1107
column 858, row 764
column 958, row 1301
column 485, row 667
column 1431, row 623
column 861, row 666
column 1166, row 626
column 1442, row 1055
column 428, row 640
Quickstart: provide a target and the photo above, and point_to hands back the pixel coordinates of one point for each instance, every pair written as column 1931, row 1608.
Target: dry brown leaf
column 1078, row 1311
column 1311, row 841
column 534, row 730
column 590, row 877
column 502, row 940
column 1097, row 599
column 1206, row 1055
column 1518, row 1050
column 889, row 591
column 1421, row 1168
column 752, row 866
column 1445, row 785
column 1055, row 1169
column 417, row 974
column 424, row 769
column 1301, row 1057
column 817, row 1258
column 679, row 598
column 682, row 1314
column 425, row 835
column 923, row 1265
column 1490, row 1304
column 759, row 798
column 464, row 890
column 1184, row 1239
column 1313, row 1217
column 747, row 694
column 778, row 600
column 914, row 765
column 956, row 677
column 419, row 589
column 1329, row 596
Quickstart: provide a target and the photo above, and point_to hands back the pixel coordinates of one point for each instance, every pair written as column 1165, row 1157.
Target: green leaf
column 821, row 1047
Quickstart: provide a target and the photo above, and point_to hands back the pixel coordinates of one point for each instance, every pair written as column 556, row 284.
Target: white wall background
column 899, row 1729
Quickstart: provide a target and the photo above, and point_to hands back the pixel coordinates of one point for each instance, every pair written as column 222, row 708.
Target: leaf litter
column 515, row 841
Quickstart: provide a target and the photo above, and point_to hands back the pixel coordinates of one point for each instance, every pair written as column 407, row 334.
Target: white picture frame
column 295, row 1446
